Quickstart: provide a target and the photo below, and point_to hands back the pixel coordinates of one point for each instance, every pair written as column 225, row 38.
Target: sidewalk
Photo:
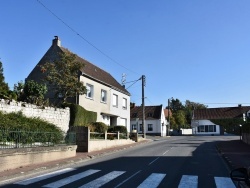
column 235, row 152
column 80, row 157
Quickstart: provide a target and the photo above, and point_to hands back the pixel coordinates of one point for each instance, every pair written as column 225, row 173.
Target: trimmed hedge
column 80, row 116
column 120, row 128
column 97, row 127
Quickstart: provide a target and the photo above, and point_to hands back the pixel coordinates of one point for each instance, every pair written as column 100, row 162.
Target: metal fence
column 24, row 139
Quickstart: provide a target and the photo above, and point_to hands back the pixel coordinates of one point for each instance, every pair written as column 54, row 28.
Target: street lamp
column 240, row 132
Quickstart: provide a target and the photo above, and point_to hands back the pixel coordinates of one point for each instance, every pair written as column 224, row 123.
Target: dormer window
column 150, row 114
column 134, row 115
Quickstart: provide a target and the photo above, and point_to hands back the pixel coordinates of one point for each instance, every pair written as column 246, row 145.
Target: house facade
column 202, row 120
column 104, row 94
column 155, row 121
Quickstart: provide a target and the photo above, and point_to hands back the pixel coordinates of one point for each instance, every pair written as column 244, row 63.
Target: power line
column 83, row 38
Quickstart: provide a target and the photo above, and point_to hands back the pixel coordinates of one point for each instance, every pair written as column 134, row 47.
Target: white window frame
column 150, row 127
column 90, row 91
column 115, row 100
column 103, row 96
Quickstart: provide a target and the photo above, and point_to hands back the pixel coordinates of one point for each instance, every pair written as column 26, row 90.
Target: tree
column 31, row 92
column 189, row 107
column 62, row 75
column 4, row 88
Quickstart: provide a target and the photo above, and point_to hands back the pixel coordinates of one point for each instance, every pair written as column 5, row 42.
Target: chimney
column 56, row 41
column 239, row 105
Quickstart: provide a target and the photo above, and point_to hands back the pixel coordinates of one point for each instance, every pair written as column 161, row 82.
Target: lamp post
column 240, row 132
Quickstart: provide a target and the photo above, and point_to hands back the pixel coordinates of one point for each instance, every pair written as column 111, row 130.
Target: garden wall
column 16, row 158
column 57, row 116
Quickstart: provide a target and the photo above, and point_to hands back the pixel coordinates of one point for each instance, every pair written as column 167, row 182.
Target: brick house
column 104, row 94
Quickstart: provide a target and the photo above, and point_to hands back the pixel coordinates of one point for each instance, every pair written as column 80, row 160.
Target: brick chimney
column 56, row 41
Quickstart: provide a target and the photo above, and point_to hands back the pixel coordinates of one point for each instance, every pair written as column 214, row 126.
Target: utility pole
column 168, row 126
column 143, row 107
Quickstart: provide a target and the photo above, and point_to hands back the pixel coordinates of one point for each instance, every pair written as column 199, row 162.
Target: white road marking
column 44, row 176
column 152, row 181
column 71, row 179
column 165, row 152
column 153, row 161
column 127, row 179
column 222, row 182
column 103, row 180
column 188, row 182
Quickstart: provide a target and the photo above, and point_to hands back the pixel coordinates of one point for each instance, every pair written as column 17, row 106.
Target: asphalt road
column 185, row 161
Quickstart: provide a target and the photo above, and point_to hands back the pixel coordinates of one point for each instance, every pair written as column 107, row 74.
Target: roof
column 166, row 113
column 93, row 72
column 151, row 112
column 220, row 113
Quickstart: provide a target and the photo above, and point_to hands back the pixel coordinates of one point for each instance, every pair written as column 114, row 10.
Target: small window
column 90, row 91
column 103, row 96
column 140, row 127
column 150, row 127
column 133, row 126
column 115, row 100
column 124, row 103
column 150, row 114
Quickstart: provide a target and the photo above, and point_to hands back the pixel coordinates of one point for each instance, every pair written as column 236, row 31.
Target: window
column 140, row 127
column 123, row 121
column 150, row 114
column 134, row 115
column 90, row 91
column 124, row 103
column 150, row 127
column 103, row 96
column 115, row 100
column 133, row 126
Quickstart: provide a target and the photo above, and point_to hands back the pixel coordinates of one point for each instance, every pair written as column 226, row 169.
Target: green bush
column 30, row 129
column 79, row 116
column 97, row 127
column 120, row 128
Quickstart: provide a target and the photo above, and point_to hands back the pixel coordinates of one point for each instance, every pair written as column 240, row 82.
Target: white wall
column 196, row 123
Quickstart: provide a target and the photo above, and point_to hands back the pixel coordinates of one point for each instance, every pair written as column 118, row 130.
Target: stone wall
column 57, row 116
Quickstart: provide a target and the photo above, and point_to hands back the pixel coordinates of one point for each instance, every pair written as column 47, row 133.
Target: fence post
column 118, row 135
column 105, row 135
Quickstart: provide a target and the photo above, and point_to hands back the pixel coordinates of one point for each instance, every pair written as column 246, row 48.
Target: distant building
column 155, row 121
column 202, row 120
column 104, row 94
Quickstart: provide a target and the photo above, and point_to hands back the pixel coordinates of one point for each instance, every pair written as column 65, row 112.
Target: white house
column 104, row 94
column 202, row 120
column 155, row 121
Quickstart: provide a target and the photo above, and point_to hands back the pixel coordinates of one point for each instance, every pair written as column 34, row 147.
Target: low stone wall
column 96, row 145
column 57, row 116
column 16, row 158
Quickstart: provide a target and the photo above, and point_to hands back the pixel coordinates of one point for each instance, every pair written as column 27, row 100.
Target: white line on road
column 153, row 161
column 222, row 182
column 44, row 176
column 165, row 152
column 103, row 180
column 128, row 179
column 188, row 182
column 71, row 179
column 152, row 181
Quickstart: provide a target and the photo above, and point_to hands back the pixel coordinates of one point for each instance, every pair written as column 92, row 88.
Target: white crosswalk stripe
column 103, row 180
column 188, row 182
column 71, row 179
column 222, row 182
column 44, row 176
column 152, row 181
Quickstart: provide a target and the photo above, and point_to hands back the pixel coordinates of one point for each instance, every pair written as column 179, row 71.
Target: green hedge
column 120, row 128
column 30, row 128
column 97, row 127
column 79, row 116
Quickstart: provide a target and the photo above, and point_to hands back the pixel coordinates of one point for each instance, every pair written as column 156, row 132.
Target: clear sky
column 196, row 50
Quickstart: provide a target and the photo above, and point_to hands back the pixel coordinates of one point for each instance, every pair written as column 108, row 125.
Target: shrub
column 79, row 116
column 98, row 127
column 120, row 128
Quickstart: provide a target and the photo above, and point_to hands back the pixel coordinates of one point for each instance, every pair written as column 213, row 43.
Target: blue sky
column 187, row 49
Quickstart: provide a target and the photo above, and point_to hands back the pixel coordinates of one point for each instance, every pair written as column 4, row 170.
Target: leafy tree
column 4, row 88
column 31, row 92
column 189, row 107
column 62, row 74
